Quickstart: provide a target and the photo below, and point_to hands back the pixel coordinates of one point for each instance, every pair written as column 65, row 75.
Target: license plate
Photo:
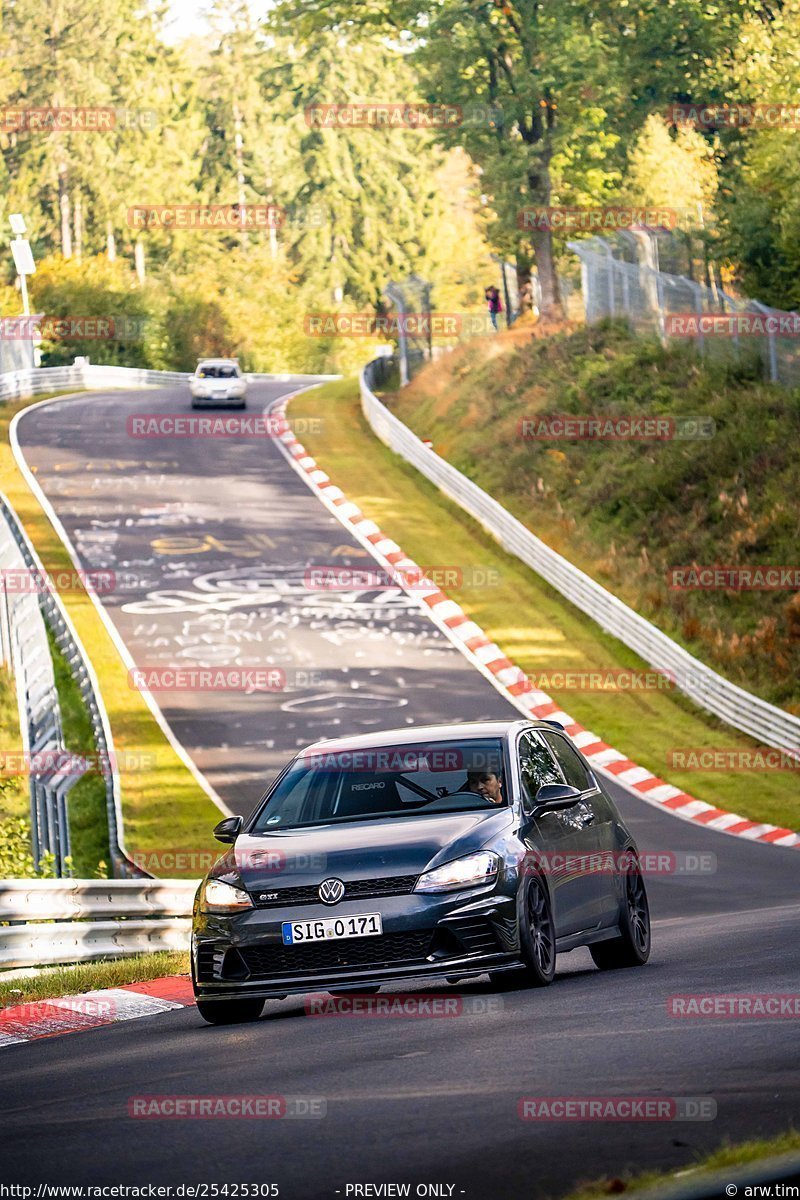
column 220, row 396
column 296, row 933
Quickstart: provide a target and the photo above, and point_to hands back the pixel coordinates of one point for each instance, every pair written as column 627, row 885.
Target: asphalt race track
column 213, row 539
column 210, row 541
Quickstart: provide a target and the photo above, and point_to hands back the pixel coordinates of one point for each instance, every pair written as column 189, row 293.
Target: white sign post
column 23, row 258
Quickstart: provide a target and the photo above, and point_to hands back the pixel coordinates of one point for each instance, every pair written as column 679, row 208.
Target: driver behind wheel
column 487, row 784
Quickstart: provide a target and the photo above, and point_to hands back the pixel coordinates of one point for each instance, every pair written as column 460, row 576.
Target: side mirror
column 229, row 829
column 555, row 796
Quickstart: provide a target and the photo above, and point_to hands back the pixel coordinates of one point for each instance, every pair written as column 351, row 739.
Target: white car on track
column 218, row 381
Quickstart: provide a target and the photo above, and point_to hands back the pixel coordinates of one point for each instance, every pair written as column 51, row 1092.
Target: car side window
column 570, row 761
column 536, row 766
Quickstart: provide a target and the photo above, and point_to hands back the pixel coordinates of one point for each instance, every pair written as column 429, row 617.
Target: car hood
column 363, row 849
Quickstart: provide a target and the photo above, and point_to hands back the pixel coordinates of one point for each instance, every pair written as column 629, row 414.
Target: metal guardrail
column 96, row 377
column 136, row 917
column 42, row 733
column 16, row 384
column 23, row 637
column 77, row 899
column 738, row 708
column 76, row 941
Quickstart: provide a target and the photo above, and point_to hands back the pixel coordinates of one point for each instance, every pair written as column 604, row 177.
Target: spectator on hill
column 492, row 295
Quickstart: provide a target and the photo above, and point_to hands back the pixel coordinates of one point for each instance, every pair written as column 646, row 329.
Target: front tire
column 538, row 934
column 632, row 947
column 229, row 1012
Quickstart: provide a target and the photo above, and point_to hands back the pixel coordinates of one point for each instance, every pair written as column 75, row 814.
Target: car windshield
column 214, row 372
column 386, row 781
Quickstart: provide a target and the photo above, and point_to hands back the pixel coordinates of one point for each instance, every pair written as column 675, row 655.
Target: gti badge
column 331, row 891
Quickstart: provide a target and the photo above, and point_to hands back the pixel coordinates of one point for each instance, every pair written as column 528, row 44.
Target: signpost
column 23, row 258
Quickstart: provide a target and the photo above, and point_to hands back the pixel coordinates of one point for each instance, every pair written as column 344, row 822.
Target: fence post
column 395, row 294
column 662, row 334
column 586, row 290
column 772, row 348
column 698, row 304
column 610, row 268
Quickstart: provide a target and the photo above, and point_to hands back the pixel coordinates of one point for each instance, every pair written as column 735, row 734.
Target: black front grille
column 377, row 952
column 354, row 889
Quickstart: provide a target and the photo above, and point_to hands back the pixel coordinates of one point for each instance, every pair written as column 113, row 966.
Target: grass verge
column 16, row 853
column 86, row 803
column 729, row 1156
column 165, row 811
column 87, row 977
column 637, row 514
column 14, row 798
column 536, row 627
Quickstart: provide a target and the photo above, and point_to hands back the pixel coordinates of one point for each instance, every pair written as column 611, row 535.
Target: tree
column 72, row 55
column 518, row 73
column 563, row 86
column 357, row 201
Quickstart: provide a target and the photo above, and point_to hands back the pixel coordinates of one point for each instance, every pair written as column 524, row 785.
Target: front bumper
column 214, row 398
column 243, row 955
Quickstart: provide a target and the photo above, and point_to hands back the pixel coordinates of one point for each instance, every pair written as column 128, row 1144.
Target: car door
column 596, row 816
column 559, row 838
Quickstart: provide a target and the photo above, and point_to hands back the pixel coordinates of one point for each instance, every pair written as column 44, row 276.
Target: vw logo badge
column 331, row 891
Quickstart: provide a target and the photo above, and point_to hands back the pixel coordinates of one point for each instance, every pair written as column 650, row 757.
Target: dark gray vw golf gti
column 438, row 851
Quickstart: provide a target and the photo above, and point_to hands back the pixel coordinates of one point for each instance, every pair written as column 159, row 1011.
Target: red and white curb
column 91, row 1010
column 508, row 678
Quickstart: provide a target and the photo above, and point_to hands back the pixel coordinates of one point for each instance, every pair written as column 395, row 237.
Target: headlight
column 219, row 897
column 462, row 872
